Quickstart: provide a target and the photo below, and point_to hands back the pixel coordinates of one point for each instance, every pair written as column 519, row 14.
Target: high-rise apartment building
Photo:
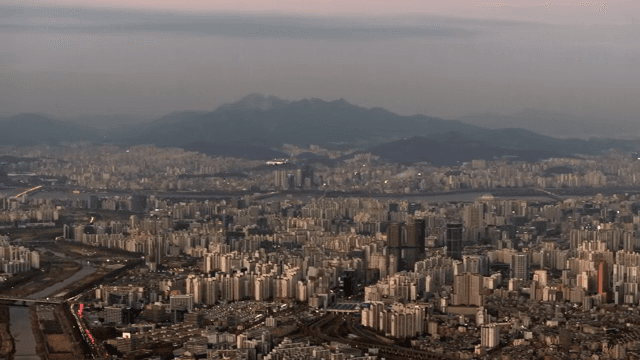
column 490, row 336
column 520, row 266
column 468, row 289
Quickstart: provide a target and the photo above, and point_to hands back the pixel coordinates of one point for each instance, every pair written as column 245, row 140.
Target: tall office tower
column 67, row 232
column 394, row 235
column 412, row 243
column 394, row 207
column 138, row 203
column 603, row 279
column 413, row 207
column 397, row 245
column 408, row 257
column 454, row 241
column 299, row 178
column 291, row 181
column 408, row 247
column 307, row 176
column 94, row 202
column 421, row 234
column 409, row 235
column 520, row 266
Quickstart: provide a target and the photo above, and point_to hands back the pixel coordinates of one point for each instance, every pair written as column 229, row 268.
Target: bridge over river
column 15, row 301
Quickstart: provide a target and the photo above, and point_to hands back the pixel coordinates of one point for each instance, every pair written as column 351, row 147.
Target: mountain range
column 257, row 125
column 557, row 124
column 269, row 121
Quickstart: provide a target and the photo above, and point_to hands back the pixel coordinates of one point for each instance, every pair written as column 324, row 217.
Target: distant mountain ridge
column 36, row 129
column 270, row 121
column 556, row 124
column 516, row 144
column 257, row 125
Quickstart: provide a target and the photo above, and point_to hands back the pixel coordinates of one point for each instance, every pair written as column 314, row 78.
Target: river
column 437, row 198
column 520, row 193
column 468, row 195
column 23, row 338
column 20, row 327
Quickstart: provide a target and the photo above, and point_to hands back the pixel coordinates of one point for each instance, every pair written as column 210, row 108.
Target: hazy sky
column 441, row 58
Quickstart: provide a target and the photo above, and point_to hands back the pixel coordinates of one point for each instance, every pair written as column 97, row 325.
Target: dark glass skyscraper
column 454, row 241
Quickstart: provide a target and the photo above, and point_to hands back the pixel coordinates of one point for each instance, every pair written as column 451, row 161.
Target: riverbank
column 37, row 333
column 6, row 341
column 17, row 328
column 53, row 334
column 49, row 275
column 23, row 286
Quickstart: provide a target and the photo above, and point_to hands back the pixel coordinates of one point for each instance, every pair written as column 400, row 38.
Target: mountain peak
column 256, row 101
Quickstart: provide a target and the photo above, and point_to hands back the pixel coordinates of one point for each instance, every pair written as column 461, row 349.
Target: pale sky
column 442, row 58
column 473, row 8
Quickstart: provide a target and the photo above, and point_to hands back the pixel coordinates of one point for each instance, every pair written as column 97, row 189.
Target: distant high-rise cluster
column 294, row 178
column 17, row 259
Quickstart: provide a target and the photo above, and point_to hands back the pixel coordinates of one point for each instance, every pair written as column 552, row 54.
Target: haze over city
column 68, row 59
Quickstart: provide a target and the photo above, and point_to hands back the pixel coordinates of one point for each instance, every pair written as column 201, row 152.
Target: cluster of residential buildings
column 23, row 212
column 16, row 259
column 100, row 167
column 415, row 264
column 234, row 276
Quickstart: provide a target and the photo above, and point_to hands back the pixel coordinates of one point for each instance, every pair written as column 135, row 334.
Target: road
column 97, row 350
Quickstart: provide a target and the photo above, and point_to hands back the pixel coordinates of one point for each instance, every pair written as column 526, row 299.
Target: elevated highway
column 16, row 300
column 28, row 191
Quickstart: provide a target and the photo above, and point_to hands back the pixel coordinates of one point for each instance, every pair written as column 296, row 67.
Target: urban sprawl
column 326, row 254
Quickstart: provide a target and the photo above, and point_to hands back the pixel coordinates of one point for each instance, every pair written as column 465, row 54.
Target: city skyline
column 278, row 180
column 160, row 250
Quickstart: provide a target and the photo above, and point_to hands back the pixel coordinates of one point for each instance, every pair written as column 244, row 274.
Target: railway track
column 327, row 328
